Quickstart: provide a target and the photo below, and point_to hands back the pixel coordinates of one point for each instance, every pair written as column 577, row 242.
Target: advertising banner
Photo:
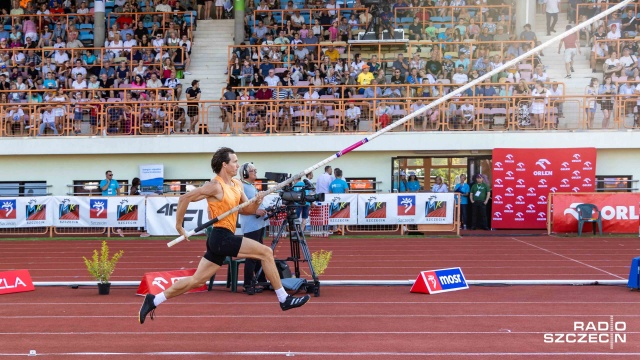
column 619, row 212
column 152, row 179
column 343, row 208
column 15, row 281
column 161, row 215
column 418, row 208
column 76, row 211
column 523, row 179
column 26, row 212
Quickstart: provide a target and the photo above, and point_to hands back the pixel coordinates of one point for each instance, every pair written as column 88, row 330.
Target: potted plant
column 101, row 267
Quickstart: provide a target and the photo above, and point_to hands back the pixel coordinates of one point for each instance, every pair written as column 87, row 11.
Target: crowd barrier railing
column 322, row 115
column 309, row 15
column 585, row 11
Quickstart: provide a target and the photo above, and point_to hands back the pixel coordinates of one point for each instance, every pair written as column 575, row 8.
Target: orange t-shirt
column 230, row 198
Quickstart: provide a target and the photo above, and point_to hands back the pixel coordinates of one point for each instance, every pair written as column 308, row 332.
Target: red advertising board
column 15, row 281
column 523, row 179
column 619, row 212
column 157, row 282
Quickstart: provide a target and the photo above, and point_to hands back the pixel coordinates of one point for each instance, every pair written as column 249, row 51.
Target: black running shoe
column 294, row 302
column 147, row 308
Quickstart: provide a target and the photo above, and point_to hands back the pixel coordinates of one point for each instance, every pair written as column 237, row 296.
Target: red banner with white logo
column 619, row 212
column 15, row 281
column 523, row 179
column 156, row 282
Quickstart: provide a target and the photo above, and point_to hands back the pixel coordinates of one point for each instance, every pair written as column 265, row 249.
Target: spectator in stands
column 540, row 100
column 552, row 9
column 612, row 65
column 193, row 96
column 174, row 84
column 521, row 91
column 540, row 74
column 401, row 64
column 591, row 104
column 485, row 35
column 49, row 122
column 608, row 90
column 629, row 62
column 373, row 92
column 571, row 45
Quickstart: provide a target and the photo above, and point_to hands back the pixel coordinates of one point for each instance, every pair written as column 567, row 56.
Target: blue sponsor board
column 437, row 281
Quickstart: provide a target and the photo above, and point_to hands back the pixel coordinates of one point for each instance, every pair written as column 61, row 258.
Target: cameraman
column 253, row 227
column 303, row 209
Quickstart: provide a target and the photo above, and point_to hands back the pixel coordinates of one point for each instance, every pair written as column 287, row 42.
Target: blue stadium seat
column 436, row 19
column 85, row 26
column 408, row 20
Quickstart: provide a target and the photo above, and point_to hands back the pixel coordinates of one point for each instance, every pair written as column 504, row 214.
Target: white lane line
column 331, row 303
column 585, row 355
column 568, row 258
column 323, row 316
column 262, row 333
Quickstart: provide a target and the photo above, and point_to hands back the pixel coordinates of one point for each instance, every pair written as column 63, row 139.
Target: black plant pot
column 103, row 289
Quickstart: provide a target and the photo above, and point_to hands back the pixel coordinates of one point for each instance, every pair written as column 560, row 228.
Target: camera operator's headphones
column 245, row 170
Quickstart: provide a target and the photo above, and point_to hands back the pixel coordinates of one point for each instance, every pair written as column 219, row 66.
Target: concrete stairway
column 209, row 58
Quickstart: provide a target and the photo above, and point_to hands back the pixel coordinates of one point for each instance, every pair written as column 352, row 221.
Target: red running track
column 344, row 323
column 481, row 258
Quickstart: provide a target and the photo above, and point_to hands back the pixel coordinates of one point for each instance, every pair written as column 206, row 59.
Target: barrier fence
column 98, row 215
column 586, row 11
column 326, row 114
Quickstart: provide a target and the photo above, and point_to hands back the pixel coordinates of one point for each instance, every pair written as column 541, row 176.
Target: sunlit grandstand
column 288, row 82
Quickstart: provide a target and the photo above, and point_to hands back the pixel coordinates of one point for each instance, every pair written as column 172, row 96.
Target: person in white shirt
column 460, row 78
column 540, row 95
column 352, row 116
column 48, row 121
column 185, row 40
column 60, row 57
column 313, row 96
column 129, row 42
column 614, row 32
column 552, row 9
column 333, row 6
column 422, row 117
column 272, row 79
column 557, row 100
column 540, row 75
column 158, row 42
column 468, row 111
column 612, row 65
column 439, row 186
column 628, row 61
column 163, row 7
column 324, row 180
column 15, row 117
column 79, row 83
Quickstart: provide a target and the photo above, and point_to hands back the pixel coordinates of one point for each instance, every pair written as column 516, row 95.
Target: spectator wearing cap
column 500, row 35
column 364, row 78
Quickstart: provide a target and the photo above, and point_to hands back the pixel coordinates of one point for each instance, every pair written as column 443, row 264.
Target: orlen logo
column 509, row 192
column 576, row 175
column 608, row 212
column 587, row 182
column 564, row 183
column 520, row 183
column 542, row 200
column 519, row 216
column 542, row 183
column 531, row 192
column 520, row 200
column 576, row 158
column 553, row 189
column 497, row 166
column 575, row 189
column 565, row 166
column 520, row 167
column 497, row 216
column 509, row 158
column 497, row 199
column 542, row 216
column 497, row 183
column 587, row 165
column 508, row 208
column 509, row 175
column 531, row 209
column 543, row 163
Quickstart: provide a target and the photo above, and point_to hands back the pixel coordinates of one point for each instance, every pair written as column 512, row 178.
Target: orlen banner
column 619, row 212
column 523, row 179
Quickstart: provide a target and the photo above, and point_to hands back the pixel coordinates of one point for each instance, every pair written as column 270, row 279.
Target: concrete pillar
column 99, row 26
column 238, row 15
column 525, row 14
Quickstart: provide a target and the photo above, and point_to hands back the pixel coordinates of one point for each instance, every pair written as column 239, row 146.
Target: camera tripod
column 297, row 243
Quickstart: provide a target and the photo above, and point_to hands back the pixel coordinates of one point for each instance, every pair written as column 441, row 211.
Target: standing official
column 253, row 227
column 479, row 197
